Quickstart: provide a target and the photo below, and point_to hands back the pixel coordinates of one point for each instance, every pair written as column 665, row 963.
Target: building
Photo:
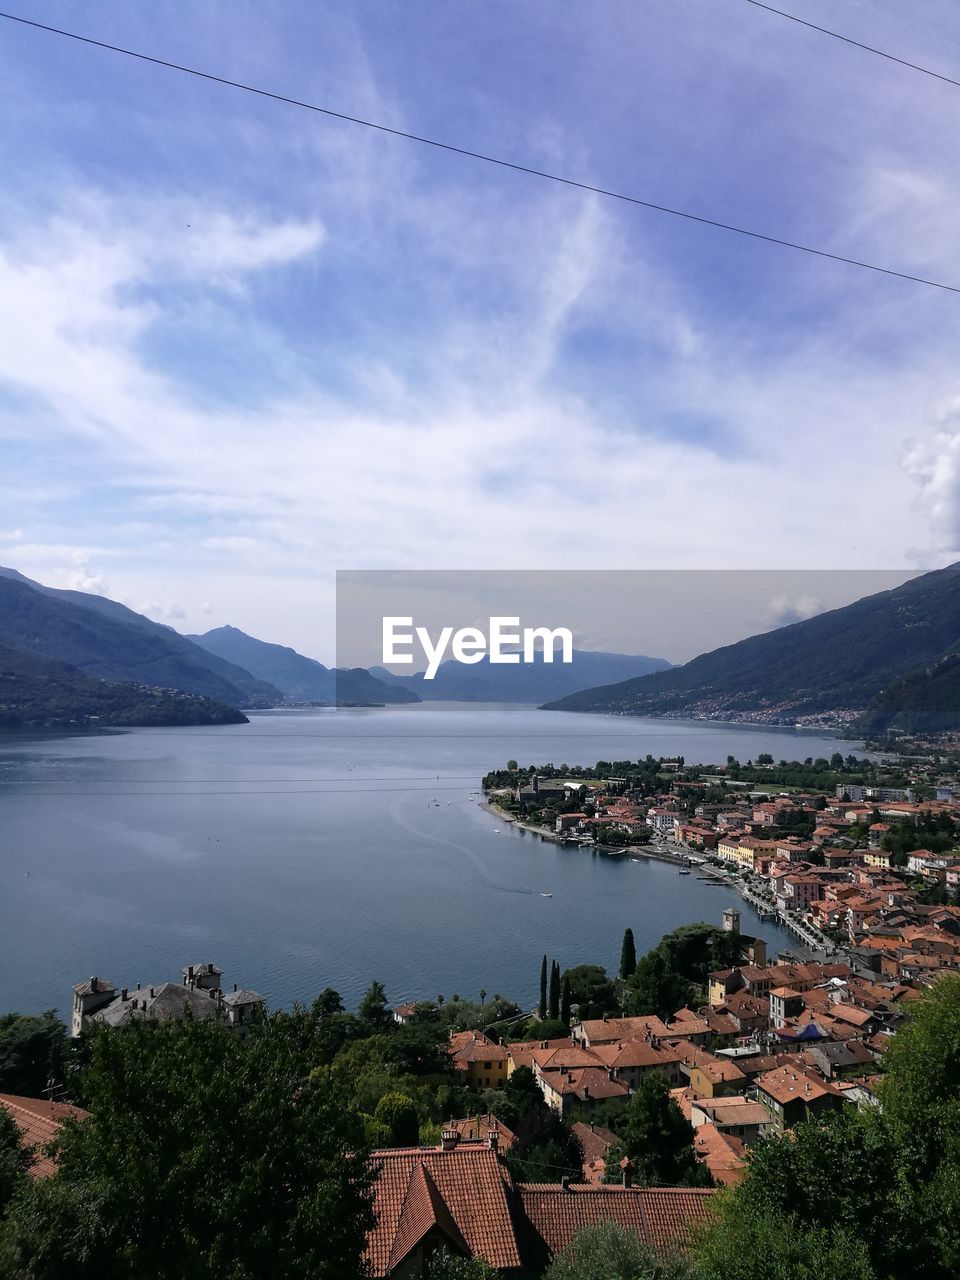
column 199, row 991
column 460, row 1195
column 39, row 1121
column 483, row 1063
column 791, row 1094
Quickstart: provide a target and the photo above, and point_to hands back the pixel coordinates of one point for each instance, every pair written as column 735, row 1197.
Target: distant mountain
column 299, row 678
column 534, row 682
column 106, row 639
column 870, row 654
column 36, row 693
column 926, row 701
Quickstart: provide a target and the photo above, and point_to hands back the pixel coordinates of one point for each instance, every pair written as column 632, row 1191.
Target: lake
column 327, row 848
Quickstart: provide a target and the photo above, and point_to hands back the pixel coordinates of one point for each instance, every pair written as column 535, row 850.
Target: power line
column 469, row 154
column 857, row 44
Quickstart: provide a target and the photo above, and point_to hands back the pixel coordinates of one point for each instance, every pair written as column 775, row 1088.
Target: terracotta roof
column 733, row 1110
column 465, row 1190
column 786, row 1084
column 722, row 1153
column 594, row 1139
column 606, row 1030
column 474, row 1046
column 480, row 1128
column 635, row 1053
column 586, row 1083
column 423, row 1210
column 659, row 1215
column 38, row 1121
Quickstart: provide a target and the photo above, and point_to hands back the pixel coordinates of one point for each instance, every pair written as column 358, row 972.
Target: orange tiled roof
column 463, row 1190
column 659, row 1215
column 38, row 1121
column 474, row 1046
column 722, row 1153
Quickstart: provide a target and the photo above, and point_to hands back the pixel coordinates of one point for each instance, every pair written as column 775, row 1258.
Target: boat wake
column 471, row 854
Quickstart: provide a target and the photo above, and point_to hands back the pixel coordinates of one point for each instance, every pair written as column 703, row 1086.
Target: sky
column 245, row 345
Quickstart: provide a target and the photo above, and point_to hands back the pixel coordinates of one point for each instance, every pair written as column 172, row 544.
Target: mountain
column 106, row 639
column 926, row 701
column 299, row 679
column 534, row 682
column 36, row 693
column 832, row 666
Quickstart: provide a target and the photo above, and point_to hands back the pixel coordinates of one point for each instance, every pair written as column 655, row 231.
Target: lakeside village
column 497, row 1141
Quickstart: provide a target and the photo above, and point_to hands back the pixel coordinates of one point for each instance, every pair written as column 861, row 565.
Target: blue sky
column 245, row 345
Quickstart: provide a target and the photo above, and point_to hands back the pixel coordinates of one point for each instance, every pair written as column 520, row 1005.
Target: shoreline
column 766, row 912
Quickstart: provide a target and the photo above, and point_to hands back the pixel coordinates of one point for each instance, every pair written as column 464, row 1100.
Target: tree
column 373, row 1009
column 591, row 990
column 657, row 1139
column 760, row 1245
column 549, row 1029
column 565, row 1001
column 542, row 1007
column 207, row 1157
column 921, row 1106
column 656, row 988
column 32, row 1049
column 15, row 1159
column 445, row 1265
column 399, row 1114
column 611, row 1252
column 545, row 1149
column 553, row 1002
column 628, row 955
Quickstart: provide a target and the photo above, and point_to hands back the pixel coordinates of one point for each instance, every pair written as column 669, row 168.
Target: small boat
column 684, row 871
column 546, row 895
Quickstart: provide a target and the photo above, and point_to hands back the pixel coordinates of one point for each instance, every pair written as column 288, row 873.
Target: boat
column 546, row 895
column 684, row 871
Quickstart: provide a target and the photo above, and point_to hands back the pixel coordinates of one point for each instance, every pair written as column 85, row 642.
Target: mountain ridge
column 831, row 666
column 298, row 677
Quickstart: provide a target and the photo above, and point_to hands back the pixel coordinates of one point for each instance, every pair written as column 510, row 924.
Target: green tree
column 445, row 1265
column 542, row 1006
column 921, row 1106
column 545, row 1150
column 373, row 1010
column 553, row 1002
column 657, row 1139
column 759, row 1245
column 549, row 1029
column 656, row 987
column 32, row 1050
column 611, row 1252
column 591, row 990
column 399, row 1114
column 565, row 1001
column 628, row 955
column 207, row 1157
column 15, row 1159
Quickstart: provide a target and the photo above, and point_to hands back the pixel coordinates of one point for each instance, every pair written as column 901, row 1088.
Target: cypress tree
column 628, row 956
column 565, row 1001
column 553, row 1005
column 542, row 1007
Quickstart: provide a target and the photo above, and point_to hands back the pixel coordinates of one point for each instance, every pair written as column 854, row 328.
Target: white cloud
column 783, row 609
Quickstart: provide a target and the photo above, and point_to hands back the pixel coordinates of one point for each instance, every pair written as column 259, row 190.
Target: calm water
column 306, row 849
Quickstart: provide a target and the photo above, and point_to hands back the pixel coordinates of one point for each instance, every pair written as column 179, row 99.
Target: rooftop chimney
column 493, row 1140
column 627, row 1170
column 123, row 994
column 449, row 1139
column 565, row 1182
column 234, row 986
